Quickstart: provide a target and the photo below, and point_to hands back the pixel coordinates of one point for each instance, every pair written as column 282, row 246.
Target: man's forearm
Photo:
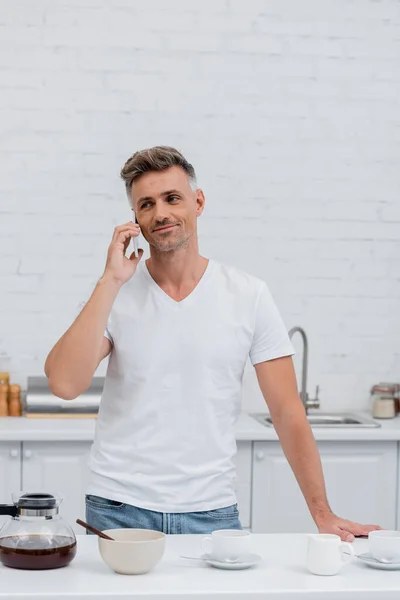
column 301, row 451
column 278, row 385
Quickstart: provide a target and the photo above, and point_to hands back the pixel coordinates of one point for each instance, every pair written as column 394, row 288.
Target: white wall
column 289, row 111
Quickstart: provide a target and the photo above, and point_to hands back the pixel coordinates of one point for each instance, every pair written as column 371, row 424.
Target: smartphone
column 135, row 240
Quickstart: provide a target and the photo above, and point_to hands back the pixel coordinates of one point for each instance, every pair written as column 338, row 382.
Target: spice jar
column 3, row 399
column 14, row 400
column 4, row 377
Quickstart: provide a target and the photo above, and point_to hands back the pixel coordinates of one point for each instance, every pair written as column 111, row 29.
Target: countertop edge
column 24, row 429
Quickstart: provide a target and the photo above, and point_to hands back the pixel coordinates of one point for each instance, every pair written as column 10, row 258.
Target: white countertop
column 281, row 575
column 247, row 428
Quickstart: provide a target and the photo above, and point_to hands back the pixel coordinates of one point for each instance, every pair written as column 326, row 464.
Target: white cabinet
column 58, row 467
column 10, row 472
column 243, row 482
column 360, row 480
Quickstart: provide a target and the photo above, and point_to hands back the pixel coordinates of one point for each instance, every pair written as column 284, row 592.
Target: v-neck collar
column 189, row 299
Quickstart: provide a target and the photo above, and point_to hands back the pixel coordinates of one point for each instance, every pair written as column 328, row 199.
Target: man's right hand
column 119, row 268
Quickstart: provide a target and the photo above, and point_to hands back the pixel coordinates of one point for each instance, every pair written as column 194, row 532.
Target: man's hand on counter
column 278, row 384
column 347, row 530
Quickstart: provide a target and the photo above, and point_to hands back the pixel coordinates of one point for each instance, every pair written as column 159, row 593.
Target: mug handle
column 346, row 551
column 206, row 544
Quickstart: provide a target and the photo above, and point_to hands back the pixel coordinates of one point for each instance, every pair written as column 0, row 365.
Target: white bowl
column 134, row 551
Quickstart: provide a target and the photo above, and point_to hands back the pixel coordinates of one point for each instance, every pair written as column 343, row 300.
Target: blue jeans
column 103, row 513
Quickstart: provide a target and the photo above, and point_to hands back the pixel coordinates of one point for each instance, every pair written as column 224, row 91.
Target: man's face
column 166, row 208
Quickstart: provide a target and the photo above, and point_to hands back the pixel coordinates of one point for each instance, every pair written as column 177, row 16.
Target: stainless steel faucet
column 307, row 402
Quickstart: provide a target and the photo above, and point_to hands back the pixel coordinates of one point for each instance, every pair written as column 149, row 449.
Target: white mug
column 384, row 545
column 326, row 553
column 226, row 544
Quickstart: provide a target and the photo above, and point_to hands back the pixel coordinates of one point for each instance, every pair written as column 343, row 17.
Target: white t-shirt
column 165, row 437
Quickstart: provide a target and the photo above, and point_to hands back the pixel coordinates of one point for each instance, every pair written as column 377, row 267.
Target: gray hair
column 158, row 158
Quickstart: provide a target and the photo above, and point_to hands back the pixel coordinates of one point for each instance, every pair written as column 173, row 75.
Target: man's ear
column 200, row 200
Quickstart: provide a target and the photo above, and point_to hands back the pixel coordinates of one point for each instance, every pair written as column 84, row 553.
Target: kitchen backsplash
column 291, row 120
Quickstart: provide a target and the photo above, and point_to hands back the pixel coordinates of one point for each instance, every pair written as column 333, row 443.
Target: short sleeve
column 271, row 339
column 108, row 335
column 108, row 330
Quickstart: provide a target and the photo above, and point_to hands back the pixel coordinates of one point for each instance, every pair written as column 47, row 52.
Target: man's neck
column 178, row 272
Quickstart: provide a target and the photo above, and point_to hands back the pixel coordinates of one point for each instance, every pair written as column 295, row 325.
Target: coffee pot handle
column 8, row 509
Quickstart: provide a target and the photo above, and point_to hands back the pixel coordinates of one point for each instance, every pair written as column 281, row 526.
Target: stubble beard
column 171, row 245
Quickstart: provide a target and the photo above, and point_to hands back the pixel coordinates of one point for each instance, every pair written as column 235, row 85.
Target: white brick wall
column 290, row 112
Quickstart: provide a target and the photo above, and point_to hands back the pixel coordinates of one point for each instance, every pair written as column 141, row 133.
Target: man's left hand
column 347, row 530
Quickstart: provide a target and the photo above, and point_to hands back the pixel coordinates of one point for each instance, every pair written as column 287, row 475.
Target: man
column 179, row 329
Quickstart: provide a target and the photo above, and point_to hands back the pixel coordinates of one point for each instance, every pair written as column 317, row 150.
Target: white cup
column 227, row 544
column 326, row 553
column 384, row 545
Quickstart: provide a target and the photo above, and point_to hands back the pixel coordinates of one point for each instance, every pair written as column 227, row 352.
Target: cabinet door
column 243, row 482
column 10, row 472
column 58, row 467
column 360, row 480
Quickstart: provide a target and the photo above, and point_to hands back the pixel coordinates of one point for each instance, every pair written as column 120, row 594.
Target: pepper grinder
column 14, row 400
column 3, row 399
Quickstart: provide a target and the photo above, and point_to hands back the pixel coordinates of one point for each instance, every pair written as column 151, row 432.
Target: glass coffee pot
column 36, row 536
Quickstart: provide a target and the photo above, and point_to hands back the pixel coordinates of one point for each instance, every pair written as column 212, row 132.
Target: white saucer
column 246, row 561
column 369, row 560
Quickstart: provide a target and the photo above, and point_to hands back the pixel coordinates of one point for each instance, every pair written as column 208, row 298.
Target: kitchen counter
column 280, row 576
column 247, row 429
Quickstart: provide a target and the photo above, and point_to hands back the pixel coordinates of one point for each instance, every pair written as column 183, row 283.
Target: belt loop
column 173, row 528
column 165, row 523
column 176, row 523
column 168, row 523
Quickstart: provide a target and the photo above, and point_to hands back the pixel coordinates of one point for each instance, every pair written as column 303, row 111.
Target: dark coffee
column 37, row 551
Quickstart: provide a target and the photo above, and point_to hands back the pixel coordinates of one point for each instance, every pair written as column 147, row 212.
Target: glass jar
column 384, row 408
column 386, row 389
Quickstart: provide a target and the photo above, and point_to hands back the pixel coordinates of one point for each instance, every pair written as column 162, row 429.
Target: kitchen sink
column 327, row 420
